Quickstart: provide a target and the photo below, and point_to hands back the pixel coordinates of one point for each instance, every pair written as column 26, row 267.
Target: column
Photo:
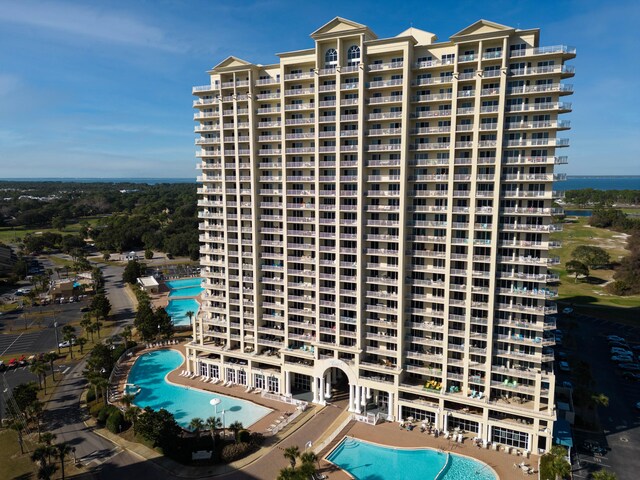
column 321, row 391
column 391, row 407
column 357, row 405
column 489, row 431
column 529, row 439
column 327, row 388
column 363, row 396
column 436, row 420
column 350, row 398
column 314, row 389
column 368, row 393
column 287, row 383
column 445, row 424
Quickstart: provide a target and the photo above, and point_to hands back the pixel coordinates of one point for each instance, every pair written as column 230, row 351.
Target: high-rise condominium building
column 376, row 217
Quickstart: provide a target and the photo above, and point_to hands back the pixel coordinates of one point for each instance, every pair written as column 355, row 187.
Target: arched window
column 353, row 55
column 331, row 57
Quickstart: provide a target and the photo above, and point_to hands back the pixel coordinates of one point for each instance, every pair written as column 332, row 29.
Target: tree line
column 588, row 197
column 627, row 275
column 129, row 216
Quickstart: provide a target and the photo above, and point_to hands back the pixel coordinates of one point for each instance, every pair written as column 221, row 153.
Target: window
column 510, row 437
column 448, row 58
column 353, row 55
column 331, row 57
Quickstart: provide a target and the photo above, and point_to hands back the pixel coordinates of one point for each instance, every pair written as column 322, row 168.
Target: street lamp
column 224, row 428
column 55, row 328
column 215, row 402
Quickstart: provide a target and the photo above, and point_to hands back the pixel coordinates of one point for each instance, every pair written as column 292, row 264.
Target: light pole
column 215, row 402
column 55, row 328
column 224, row 428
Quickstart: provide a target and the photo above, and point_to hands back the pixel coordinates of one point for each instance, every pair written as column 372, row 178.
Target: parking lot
column 586, row 340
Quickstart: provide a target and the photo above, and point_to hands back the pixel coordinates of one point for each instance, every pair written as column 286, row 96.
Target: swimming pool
column 184, row 283
column 177, row 310
column 184, row 403
column 366, row 461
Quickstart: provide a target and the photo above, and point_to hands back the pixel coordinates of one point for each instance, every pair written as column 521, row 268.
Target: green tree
column 81, row 341
column 213, row 424
column 591, row 256
column 576, row 268
column 126, row 334
column 164, row 323
column 235, row 427
column 603, row 475
column 190, row 314
column 131, row 415
column 96, row 326
column 133, row 271
column 160, row 427
column 556, row 462
column 106, row 257
column 63, row 450
column 196, row 425
column 292, row 453
column 69, row 335
column 39, row 369
column 100, row 306
column 24, row 395
column 51, row 357
column 148, row 254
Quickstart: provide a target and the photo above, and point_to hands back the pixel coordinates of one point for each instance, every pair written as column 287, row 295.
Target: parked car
column 66, row 343
column 631, row 367
column 615, row 338
column 616, row 350
column 594, row 447
column 564, row 366
column 567, row 310
column 622, row 359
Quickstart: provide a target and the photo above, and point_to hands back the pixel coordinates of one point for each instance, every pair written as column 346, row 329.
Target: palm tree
column 603, row 475
column 196, row 425
column 35, row 411
column 126, row 334
column 62, row 450
column 213, row 423
column 42, row 458
column 190, row 314
column 97, row 326
column 309, row 458
column 235, row 427
column 51, row 357
column 127, row 400
column 288, row 473
column 86, row 320
column 82, row 341
column 38, row 368
column 559, row 465
column 18, row 427
column 131, row 415
column 90, row 329
column 292, row 453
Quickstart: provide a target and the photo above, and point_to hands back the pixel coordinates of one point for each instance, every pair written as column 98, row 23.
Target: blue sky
column 103, row 88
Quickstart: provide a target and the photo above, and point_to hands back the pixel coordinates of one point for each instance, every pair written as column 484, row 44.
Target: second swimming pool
column 367, row 461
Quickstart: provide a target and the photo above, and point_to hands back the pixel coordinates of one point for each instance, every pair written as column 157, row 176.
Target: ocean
column 598, row 183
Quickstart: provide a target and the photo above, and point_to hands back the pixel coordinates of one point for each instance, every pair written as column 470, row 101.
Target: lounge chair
column 257, row 390
column 248, row 390
column 213, row 380
column 446, row 435
column 459, row 438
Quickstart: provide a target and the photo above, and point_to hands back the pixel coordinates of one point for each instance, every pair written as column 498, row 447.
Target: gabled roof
column 230, row 63
column 340, row 25
column 422, row 37
column 483, row 27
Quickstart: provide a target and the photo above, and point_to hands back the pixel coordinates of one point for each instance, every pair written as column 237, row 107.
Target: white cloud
column 92, row 23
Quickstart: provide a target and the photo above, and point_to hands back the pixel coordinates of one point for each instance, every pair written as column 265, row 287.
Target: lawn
column 13, row 235
column 589, row 294
column 14, row 464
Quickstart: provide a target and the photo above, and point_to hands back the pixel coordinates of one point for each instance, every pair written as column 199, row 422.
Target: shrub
column 104, row 413
column 256, row 438
column 115, row 421
column 91, row 395
column 95, row 409
column 244, row 436
column 234, row 451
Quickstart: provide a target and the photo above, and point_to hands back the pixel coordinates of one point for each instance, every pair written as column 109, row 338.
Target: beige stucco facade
column 378, row 211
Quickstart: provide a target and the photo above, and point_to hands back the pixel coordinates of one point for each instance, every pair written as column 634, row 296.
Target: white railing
column 318, row 448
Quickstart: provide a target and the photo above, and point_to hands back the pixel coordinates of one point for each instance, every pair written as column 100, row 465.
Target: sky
column 103, row 88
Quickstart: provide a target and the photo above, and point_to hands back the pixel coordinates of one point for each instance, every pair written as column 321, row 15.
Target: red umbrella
column 13, row 360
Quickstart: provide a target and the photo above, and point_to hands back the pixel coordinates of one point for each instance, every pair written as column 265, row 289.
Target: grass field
column 13, row 235
column 589, row 296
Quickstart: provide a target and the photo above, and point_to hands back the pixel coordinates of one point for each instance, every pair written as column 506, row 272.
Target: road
column 100, row 457
column 620, row 420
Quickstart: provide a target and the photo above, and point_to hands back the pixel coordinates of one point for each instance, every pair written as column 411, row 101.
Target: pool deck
column 390, row 434
column 315, row 424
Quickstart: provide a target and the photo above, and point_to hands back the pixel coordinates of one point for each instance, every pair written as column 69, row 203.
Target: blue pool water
column 177, row 310
column 186, row 289
column 184, row 403
column 184, row 283
column 367, row 461
column 186, row 292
